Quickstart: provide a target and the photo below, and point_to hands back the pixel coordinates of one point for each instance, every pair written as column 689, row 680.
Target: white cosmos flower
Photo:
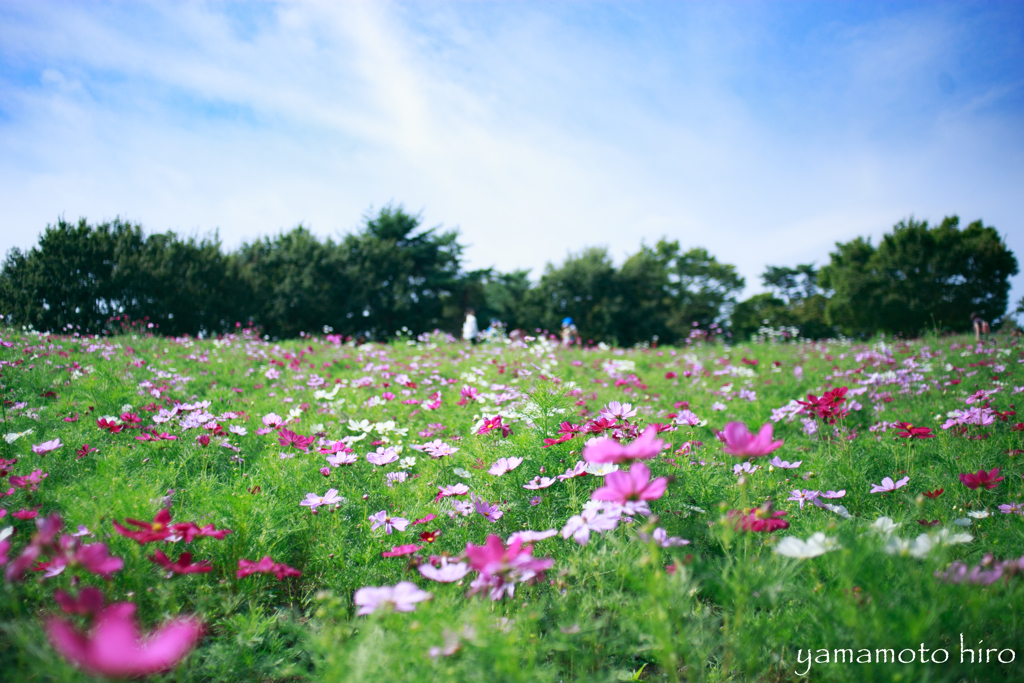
column 817, row 544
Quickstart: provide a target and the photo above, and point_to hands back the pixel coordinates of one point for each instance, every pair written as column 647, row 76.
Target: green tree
column 583, row 288
column 762, row 309
column 919, row 278
column 701, row 289
column 403, row 276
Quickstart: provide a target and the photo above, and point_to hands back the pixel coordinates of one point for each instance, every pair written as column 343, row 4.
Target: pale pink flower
column 401, row 597
column 383, row 456
column 661, row 537
column 381, row 519
column 446, row 572
column 273, row 420
column 784, row 464
column 539, row 483
column 504, row 465
column 314, row 501
column 527, row 536
column 888, row 485
column 46, row 446
column 615, row 411
column 592, row 519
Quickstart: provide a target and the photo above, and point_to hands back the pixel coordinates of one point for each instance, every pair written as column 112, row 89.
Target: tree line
column 393, row 276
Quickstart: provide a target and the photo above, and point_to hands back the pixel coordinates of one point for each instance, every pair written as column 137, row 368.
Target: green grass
column 731, row 609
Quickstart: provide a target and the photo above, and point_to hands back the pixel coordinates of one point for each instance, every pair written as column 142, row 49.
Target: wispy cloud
column 764, row 132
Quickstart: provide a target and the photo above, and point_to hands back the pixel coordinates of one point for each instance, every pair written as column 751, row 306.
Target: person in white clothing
column 470, row 331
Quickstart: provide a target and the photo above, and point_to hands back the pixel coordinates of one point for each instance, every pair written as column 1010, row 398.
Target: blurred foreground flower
column 401, row 597
column 740, row 442
column 113, row 646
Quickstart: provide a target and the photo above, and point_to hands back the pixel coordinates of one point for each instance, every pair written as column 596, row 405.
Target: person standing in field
column 470, row 331
column 569, row 333
column 980, row 326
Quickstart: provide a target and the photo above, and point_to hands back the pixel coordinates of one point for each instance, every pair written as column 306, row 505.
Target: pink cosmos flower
column 423, row 520
column 494, row 423
column 453, row 490
column 539, row 483
column 381, row 519
column 741, row 443
column 314, row 501
column 687, row 417
column 501, row 568
column 604, row 449
column 401, row 597
column 803, row 496
column 616, row 411
column 661, row 537
column 490, row 512
column 400, row 550
column 579, row 470
column 635, row 485
column 446, row 572
column 265, row 566
column 436, row 449
column 273, row 420
column 592, row 519
column 528, row 536
column 114, row 647
column 383, row 456
column 286, row 437
column 888, row 485
column 504, row 465
column 47, row 446
column 784, row 464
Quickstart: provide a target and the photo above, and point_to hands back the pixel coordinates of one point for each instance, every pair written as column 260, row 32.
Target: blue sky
column 762, row 131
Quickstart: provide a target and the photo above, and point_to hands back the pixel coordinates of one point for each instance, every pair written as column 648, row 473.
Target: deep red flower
column 183, row 565
column 157, row 530
column 429, row 536
column 989, row 480
column 925, row 522
column 829, row 407
column 762, row 519
column 265, row 566
column 85, row 450
column 109, row 425
column 909, row 431
column 1019, row 427
column 933, row 494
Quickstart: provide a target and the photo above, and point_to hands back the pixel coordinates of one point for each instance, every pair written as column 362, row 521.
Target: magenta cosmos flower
column 401, row 597
column 604, row 449
column 740, row 442
column 989, row 480
column 114, row 647
column 265, row 566
column 501, row 568
column 635, row 485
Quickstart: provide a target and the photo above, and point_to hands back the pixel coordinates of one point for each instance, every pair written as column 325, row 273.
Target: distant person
column 470, row 331
column 569, row 332
column 980, row 326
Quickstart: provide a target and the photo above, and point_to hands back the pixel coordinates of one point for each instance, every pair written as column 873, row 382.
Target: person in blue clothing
column 569, row 332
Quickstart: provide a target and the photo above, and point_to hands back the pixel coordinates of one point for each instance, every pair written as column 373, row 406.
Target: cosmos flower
column 817, row 544
column 635, row 485
column 114, row 648
column 740, row 442
column 314, row 501
column 381, row 519
column 988, row 479
column 47, row 446
column 401, row 597
column 265, row 566
column 604, row 449
column 445, row 571
column 888, row 485
column 504, row 465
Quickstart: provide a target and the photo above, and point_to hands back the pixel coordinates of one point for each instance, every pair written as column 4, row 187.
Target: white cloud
column 537, row 129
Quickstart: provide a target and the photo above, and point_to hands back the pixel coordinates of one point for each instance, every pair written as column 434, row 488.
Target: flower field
column 240, row 509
